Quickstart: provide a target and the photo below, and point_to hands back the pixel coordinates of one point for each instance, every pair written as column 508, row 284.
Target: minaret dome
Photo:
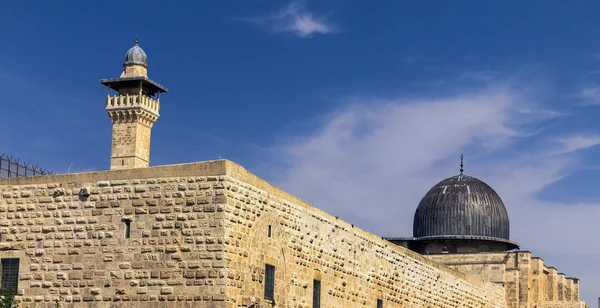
column 136, row 55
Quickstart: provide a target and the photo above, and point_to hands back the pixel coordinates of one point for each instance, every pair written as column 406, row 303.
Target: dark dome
column 136, row 55
column 464, row 207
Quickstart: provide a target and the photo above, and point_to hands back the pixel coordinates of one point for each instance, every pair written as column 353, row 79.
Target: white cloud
column 575, row 143
column 589, row 96
column 296, row 19
column 371, row 163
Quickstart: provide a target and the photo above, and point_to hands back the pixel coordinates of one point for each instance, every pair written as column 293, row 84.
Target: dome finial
column 462, row 157
column 136, row 39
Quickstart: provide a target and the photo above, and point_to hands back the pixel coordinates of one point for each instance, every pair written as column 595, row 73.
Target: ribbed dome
column 136, row 55
column 461, row 206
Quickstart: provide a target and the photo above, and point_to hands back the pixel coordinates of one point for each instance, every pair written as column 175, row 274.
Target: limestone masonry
column 200, row 236
column 528, row 282
column 213, row 235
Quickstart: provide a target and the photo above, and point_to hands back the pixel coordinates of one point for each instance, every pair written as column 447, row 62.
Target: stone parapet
column 117, row 238
column 133, row 108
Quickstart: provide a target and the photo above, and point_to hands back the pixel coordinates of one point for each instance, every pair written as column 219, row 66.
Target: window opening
column 269, row 282
column 127, row 229
column 316, row 293
column 10, row 274
column 379, row 303
column 269, row 231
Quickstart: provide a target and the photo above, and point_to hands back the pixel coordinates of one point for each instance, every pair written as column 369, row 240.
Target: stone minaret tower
column 133, row 111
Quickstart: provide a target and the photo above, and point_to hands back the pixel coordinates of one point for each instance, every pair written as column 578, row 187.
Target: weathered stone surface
column 528, row 281
column 355, row 268
column 210, row 250
column 83, row 258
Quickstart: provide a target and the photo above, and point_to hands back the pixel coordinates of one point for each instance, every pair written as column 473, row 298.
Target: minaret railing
column 125, row 101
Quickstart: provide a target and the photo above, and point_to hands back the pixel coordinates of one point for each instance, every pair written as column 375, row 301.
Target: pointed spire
column 462, row 165
column 136, row 39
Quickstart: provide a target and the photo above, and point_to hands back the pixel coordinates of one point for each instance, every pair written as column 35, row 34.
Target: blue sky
column 350, row 105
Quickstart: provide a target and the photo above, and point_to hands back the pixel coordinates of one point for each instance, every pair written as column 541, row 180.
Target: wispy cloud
column 576, row 143
column 547, row 113
column 6, row 76
column 413, row 56
column 485, row 75
column 383, row 155
column 589, row 95
column 295, row 18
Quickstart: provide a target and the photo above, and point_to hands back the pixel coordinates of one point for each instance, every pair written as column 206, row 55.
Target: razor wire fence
column 12, row 167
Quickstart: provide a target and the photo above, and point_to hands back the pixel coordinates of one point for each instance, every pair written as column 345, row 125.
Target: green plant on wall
column 8, row 299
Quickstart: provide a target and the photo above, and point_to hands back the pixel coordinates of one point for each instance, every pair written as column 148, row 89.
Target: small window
column 269, row 231
column 10, row 274
column 127, row 228
column 269, row 282
column 379, row 303
column 316, row 293
column 122, row 162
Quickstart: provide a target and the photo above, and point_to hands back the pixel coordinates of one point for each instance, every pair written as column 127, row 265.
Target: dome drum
column 454, row 244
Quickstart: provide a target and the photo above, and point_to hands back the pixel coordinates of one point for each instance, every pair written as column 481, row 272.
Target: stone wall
column 561, row 305
column 265, row 225
column 528, row 282
column 69, row 233
column 199, row 238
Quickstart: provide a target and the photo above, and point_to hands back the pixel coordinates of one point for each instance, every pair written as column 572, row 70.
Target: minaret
column 133, row 110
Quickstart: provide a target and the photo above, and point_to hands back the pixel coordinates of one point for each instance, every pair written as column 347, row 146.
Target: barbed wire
column 13, row 167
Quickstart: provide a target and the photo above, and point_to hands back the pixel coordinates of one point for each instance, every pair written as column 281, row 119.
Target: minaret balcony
column 130, row 102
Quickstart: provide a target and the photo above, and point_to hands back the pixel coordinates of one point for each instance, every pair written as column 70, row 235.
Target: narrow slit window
column 316, row 293
column 269, row 231
column 269, row 282
column 10, row 274
column 379, row 303
column 127, row 229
